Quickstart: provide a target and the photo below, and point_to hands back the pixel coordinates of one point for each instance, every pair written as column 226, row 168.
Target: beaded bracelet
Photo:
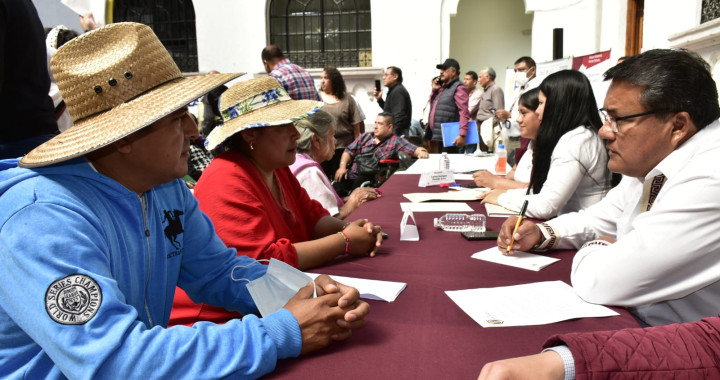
column 347, row 243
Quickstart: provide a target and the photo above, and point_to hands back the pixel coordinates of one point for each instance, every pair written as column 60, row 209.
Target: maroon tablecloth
column 424, row 334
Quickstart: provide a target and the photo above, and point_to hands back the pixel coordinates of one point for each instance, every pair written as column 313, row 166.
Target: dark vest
column 445, row 108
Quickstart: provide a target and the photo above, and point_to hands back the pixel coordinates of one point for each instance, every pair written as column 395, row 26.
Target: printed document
column 532, row 304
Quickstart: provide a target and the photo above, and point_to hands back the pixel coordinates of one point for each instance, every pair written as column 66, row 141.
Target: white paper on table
column 518, row 259
column 409, row 232
column 532, row 304
column 436, row 207
column 370, row 289
column 494, row 210
column 465, row 195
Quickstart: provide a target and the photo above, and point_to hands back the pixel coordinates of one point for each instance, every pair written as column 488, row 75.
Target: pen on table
column 517, row 224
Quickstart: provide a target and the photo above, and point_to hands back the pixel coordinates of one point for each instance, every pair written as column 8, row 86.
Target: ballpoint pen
column 517, row 224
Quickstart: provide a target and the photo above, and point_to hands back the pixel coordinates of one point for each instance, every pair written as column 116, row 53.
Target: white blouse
column 576, row 179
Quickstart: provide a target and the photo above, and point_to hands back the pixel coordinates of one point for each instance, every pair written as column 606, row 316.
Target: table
column 424, row 334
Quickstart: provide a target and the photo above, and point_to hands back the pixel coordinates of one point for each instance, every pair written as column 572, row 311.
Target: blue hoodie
column 88, row 271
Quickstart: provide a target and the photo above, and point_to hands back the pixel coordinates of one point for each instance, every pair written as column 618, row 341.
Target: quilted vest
column 445, row 108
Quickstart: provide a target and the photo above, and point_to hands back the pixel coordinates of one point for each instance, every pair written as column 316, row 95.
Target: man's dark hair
column 271, row 52
column 672, row 80
column 472, row 74
column 396, row 70
column 528, row 61
column 389, row 118
column 336, row 81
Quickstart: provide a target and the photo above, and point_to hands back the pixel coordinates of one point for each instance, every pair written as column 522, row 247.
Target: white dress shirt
column 665, row 265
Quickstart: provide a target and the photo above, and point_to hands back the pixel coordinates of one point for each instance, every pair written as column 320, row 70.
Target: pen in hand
column 517, row 224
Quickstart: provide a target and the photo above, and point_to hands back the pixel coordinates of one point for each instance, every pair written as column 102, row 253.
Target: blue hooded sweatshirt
column 88, row 272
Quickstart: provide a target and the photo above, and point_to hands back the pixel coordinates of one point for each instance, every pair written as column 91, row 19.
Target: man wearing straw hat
column 96, row 231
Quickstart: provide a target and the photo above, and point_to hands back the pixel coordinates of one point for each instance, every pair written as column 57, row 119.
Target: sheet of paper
column 494, row 210
column 455, row 195
column 459, row 163
column 436, row 207
column 371, row 289
column 532, row 304
column 518, row 259
column 81, row 7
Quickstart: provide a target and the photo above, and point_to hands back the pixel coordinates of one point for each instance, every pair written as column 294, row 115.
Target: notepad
column 450, row 132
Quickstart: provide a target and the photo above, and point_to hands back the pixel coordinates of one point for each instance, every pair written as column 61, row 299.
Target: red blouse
column 247, row 217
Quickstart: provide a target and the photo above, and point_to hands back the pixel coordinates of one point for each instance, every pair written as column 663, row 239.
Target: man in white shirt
column 652, row 244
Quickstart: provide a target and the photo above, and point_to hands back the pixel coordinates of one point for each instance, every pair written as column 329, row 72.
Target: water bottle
column 444, row 161
column 461, row 222
column 500, row 159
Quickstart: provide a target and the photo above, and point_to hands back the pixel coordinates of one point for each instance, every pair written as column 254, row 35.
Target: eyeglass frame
column 607, row 118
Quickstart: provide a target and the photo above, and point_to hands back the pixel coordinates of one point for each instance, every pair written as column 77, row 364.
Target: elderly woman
column 255, row 202
column 317, row 144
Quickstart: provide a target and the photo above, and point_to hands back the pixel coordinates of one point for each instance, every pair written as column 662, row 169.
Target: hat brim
column 275, row 114
column 441, row 67
column 95, row 132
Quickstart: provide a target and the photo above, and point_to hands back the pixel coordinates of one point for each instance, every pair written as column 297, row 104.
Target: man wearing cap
column 296, row 80
column 449, row 99
column 96, row 230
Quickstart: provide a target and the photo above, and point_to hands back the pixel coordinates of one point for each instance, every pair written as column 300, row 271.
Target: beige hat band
column 255, row 102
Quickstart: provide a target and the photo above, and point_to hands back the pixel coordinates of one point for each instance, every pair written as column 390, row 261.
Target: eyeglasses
column 613, row 120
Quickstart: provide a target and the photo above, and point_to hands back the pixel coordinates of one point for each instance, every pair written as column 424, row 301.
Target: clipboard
column 451, row 130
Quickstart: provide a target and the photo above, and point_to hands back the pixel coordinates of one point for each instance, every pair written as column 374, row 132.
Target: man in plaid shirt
column 296, row 81
column 383, row 142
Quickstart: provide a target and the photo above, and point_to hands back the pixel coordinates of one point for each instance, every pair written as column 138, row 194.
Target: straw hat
column 115, row 81
column 259, row 102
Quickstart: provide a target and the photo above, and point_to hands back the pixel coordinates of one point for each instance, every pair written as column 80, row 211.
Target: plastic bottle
column 461, row 222
column 500, row 159
column 444, row 161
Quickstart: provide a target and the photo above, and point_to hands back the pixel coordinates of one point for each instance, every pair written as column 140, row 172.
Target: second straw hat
column 259, row 102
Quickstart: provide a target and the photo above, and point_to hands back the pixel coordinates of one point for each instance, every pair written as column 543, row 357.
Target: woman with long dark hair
column 569, row 159
column 341, row 105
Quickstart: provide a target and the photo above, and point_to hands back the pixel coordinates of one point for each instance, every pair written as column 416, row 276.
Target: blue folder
column 451, row 130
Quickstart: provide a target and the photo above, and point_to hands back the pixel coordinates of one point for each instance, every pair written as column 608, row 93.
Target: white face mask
column 520, row 79
column 273, row 290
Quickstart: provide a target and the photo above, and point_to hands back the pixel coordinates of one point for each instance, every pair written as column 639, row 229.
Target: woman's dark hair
column 530, row 99
column 336, row 81
column 569, row 103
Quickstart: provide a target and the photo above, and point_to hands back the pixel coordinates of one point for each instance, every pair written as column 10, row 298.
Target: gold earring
column 251, row 146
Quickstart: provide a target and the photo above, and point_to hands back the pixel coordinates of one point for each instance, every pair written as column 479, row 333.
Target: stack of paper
column 435, row 207
column 499, row 211
column 464, row 195
column 538, row 303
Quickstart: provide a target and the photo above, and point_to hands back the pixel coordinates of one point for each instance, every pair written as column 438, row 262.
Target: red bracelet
column 347, row 242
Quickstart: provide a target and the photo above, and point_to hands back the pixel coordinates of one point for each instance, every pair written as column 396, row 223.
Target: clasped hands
column 365, row 237
column 332, row 315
